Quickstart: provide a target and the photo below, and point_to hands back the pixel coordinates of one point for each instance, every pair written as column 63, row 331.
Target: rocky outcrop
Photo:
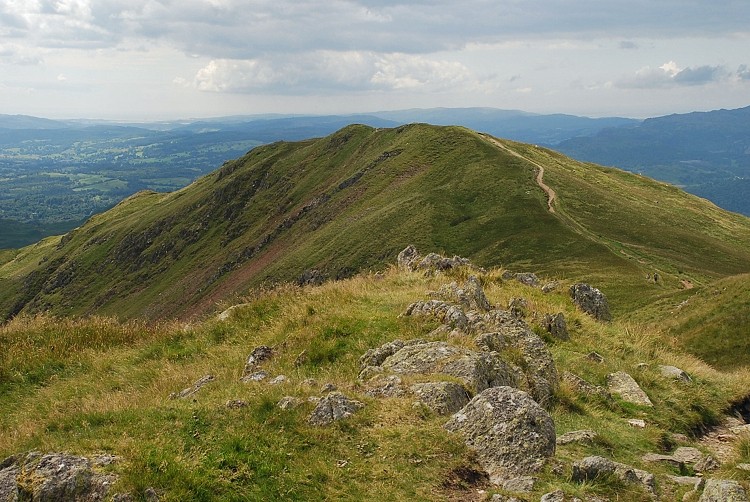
column 722, row 490
column 591, row 301
column 410, row 260
column 511, row 434
column 257, row 356
column 470, row 295
column 335, row 406
column 444, row 312
column 54, row 476
column 627, row 388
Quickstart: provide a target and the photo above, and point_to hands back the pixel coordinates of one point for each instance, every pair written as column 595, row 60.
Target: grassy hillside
column 199, row 449
column 352, row 200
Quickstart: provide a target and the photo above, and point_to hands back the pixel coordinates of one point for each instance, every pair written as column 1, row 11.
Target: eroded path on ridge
column 551, row 195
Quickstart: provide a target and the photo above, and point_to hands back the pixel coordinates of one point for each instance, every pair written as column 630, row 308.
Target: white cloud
column 329, row 71
column 670, row 75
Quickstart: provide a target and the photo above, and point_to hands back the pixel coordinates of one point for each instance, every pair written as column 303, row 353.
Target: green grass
column 98, row 385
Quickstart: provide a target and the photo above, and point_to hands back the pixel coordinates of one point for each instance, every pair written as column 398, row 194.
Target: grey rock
column 444, row 312
column 722, row 490
column 475, row 292
column 407, row 258
column 289, row 402
column 257, row 356
column 687, row 454
column 184, row 393
column 556, row 496
column 311, row 277
column 505, row 498
column 521, row 484
column 591, row 301
column 277, row 380
column 627, row 388
column 550, row 287
column 329, row 387
column 674, row 373
column 254, row 377
column 537, row 361
column 53, row 476
column 444, row 398
column 518, row 307
column 594, row 467
column 664, row 459
column 478, row 370
column 693, row 481
column 469, row 296
column 527, row 278
column 376, row 356
column 384, row 386
column 706, row 464
column 335, row 406
column 582, row 436
column 584, row 387
column 595, row 356
column 555, row 325
column 236, row 404
column 512, row 435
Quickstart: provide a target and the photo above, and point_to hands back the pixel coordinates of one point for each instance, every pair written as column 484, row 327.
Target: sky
column 179, row 59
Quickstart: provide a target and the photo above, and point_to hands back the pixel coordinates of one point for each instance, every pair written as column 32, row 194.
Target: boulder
column 53, row 476
column 289, row 402
column 595, row 467
column 512, row 435
column 556, row 326
column 469, row 296
column 723, row 490
column 518, row 307
column 407, row 258
column 478, row 370
column 688, row 454
column 627, row 388
column 444, row 398
column 664, row 459
column 591, row 301
column 333, row 407
column 674, row 373
column 257, row 356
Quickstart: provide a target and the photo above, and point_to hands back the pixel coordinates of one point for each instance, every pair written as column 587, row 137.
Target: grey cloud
column 670, row 75
column 628, row 45
column 243, row 30
column 743, row 72
column 700, row 75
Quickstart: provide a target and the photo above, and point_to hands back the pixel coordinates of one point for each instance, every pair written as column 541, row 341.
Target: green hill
column 352, row 200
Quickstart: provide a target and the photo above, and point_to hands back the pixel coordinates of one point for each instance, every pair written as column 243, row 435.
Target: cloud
column 671, row 75
column 330, row 71
column 237, row 29
column 628, row 45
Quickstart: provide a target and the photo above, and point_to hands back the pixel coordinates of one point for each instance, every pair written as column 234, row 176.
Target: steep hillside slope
column 353, row 200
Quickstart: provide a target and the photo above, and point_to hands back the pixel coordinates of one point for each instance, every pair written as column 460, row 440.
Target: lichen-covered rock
column 592, row 301
column 627, row 388
column 539, row 367
column 257, row 356
column 512, row 435
column 407, row 258
column 723, row 490
column 555, row 325
column 410, row 260
column 478, row 370
column 446, row 313
column 584, row 387
column 376, row 356
column 470, row 296
column 333, row 407
column 444, row 398
column 53, row 476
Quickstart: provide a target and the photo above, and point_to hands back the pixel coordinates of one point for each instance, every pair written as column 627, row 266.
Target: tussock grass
column 108, row 392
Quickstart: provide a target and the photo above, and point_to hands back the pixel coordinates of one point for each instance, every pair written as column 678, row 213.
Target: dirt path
column 551, row 195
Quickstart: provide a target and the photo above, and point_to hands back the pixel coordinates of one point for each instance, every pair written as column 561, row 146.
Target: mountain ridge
column 318, row 204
